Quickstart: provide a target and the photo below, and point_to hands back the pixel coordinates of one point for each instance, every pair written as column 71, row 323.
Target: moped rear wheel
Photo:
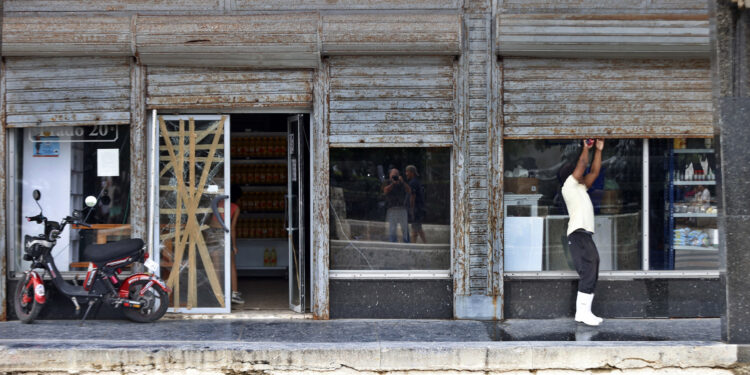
column 26, row 307
column 154, row 303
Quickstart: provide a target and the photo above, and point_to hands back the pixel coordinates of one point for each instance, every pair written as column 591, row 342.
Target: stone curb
column 128, row 356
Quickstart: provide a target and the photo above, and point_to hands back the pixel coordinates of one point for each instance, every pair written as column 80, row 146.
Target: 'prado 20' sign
column 97, row 133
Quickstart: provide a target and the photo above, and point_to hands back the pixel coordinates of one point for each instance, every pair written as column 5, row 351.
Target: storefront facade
column 485, row 100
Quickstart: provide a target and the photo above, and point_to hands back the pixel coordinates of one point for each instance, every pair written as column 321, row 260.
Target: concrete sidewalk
column 681, row 346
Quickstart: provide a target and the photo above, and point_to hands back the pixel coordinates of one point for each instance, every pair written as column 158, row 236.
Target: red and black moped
column 143, row 297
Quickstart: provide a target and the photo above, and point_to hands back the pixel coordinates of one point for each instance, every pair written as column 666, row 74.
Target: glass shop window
column 67, row 164
column 672, row 215
column 390, row 209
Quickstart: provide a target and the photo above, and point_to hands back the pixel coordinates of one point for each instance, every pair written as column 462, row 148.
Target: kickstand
column 88, row 309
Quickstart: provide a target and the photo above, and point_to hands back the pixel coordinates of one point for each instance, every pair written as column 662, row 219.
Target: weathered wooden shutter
column 67, row 91
column 387, row 100
column 67, row 36
column 182, row 87
column 111, row 5
column 288, row 40
column 390, row 34
column 570, row 98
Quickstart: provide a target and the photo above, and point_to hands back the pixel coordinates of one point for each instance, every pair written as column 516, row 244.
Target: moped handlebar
column 37, row 219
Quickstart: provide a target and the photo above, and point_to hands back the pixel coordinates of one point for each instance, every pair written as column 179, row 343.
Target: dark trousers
column 586, row 259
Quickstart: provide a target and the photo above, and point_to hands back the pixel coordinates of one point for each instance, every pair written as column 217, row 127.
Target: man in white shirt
column 581, row 229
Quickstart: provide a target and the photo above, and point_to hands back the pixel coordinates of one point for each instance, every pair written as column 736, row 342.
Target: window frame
column 645, row 272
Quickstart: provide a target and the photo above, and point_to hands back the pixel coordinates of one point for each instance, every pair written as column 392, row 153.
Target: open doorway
column 270, row 185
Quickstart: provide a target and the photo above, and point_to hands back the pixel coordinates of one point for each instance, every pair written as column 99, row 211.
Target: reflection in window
column 67, row 164
column 390, row 209
column 536, row 217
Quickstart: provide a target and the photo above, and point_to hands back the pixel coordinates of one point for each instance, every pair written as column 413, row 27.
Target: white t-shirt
column 579, row 205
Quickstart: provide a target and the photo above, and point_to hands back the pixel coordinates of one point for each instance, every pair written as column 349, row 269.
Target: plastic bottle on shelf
column 266, row 257
column 251, row 174
column 276, row 147
column 273, row 257
column 263, row 147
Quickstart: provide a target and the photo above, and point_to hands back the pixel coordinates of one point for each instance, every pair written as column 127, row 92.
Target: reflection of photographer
column 397, row 194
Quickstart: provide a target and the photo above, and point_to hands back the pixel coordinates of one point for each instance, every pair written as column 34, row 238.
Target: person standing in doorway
column 234, row 214
column 397, row 193
column 581, row 229
column 416, row 203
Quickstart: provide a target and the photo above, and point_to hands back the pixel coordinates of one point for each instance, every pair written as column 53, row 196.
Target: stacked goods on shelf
column 268, row 201
column 260, row 174
column 260, row 228
column 270, row 257
column 691, row 237
column 259, row 147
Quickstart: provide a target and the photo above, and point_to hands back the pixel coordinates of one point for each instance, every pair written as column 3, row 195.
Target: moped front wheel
column 26, row 307
column 154, row 303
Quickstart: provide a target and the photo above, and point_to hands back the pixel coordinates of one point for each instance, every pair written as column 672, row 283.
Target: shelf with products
column 693, row 151
column 258, row 145
column 691, row 223
column 241, row 161
column 260, row 174
column 261, row 227
column 694, row 183
column 262, row 202
column 696, row 214
column 270, row 254
column 703, row 248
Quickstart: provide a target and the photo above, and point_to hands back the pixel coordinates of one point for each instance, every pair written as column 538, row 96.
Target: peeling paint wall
column 320, row 194
column 3, row 209
column 139, row 148
column 3, row 203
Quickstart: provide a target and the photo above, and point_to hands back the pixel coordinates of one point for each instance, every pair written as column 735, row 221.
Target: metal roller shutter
column 67, row 91
column 569, row 98
column 556, row 35
column 180, row 87
column 387, row 100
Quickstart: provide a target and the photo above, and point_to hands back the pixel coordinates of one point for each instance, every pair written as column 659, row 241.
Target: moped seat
column 113, row 251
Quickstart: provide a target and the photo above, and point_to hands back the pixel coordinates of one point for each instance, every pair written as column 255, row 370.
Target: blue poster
column 46, row 147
